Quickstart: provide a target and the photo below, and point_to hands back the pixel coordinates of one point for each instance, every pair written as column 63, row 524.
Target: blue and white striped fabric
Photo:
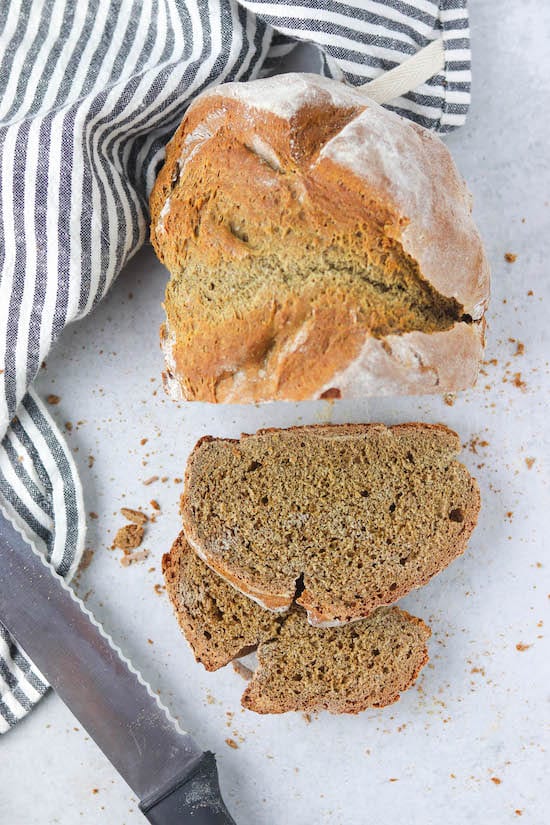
column 90, row 92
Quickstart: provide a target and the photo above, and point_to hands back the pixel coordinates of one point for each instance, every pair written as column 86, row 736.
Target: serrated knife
column 176, row 782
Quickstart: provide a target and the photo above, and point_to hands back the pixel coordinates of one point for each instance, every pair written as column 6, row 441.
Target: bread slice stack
column 296, row 542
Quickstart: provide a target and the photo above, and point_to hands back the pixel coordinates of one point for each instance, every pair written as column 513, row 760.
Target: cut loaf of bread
column 343, row 670
column 317, row 244
column 342, row 518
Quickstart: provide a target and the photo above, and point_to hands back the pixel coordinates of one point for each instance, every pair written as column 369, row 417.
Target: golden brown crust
column 291, row 173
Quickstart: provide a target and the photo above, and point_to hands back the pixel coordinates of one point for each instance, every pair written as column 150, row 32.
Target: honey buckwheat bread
column 318, row 245
column 342, row 519
column 343, row 670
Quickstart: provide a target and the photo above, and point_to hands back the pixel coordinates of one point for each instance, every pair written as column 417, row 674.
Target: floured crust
column 352, row 161
column 322, row 611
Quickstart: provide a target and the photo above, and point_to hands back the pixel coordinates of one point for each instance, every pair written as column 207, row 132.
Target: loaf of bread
column 319, row 246
column 342, row 519
column 343, row 670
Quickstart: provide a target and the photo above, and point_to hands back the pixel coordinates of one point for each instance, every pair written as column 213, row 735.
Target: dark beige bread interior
column 219, row 623
column 345, row 518
column 342, row 669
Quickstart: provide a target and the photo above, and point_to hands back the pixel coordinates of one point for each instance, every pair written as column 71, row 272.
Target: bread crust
column 323, row 614
column 355, row 163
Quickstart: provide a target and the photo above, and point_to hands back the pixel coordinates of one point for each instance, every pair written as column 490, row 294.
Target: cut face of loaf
column 343, row 518
column 343, row 670
column 317, row 243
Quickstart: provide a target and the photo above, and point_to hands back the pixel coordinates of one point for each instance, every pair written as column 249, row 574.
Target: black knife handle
column 193, row 799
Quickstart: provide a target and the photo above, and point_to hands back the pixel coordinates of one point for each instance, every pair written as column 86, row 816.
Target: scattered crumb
column 510, row 514
column 151, row 480
column 231, row 743
column 307, row 718
column 86, row 560
column 210, row 699
column 164, row 479
column 95, row 790
column 393, row 779
column 93, row 515
column 130, row 558
column 476, row 442
column 518, row 812
column 520, row 348
column 53, row 399
column 496, row 780
column 154, row 504
column 178, row 480
column 151, row 569
column 158, row 588
column 91, row 460
column 530, row 292
column 242, row 670
column 68, row 426
column 521, row 647
column 144, row 441
column 136, row 516
column 128, row 537
column 510, row 257
column 449, row 398
column 518, row 382
column 529, row 462
column 150, row 641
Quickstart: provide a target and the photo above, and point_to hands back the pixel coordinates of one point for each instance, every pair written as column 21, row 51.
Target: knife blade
column 174, row 779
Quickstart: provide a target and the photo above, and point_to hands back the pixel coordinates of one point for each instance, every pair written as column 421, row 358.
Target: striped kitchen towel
column 90, row 92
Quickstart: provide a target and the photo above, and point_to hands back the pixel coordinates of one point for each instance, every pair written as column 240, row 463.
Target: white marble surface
column 481, row 710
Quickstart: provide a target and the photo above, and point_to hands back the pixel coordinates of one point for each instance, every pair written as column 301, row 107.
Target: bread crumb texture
column 301, row 668
column 343, row 519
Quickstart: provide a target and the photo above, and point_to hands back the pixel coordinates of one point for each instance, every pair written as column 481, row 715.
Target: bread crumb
column 135, row 516
column 521, row 647
column 95, row 790
column 144, row 441
column 210, row 699
column 91, row 460
column 86, row 560
column 154, row 504
column 529, row 462
column 68, row 426
column 53, row 399
column 530, row 292
column 231, row 743
column 130, row 558
column 151, row 480
column 520, row 348
column 150, row 641
column 178, row 480
column 393, row 779
column 449, row 398
column 93, row 515
column 307, row 718
column 128, row 537
column 496, row 780
column 242, row 670
column 518, row 382
column 158, row 588
column 518, row 812
column 510, row 257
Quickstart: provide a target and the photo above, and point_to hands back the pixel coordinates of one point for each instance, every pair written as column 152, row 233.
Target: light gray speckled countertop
column 480, row 713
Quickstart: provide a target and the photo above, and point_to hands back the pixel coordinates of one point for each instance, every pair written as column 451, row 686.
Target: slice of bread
column 342, row 518
column 343, row 670
column 366, row 664
column 219, row 623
